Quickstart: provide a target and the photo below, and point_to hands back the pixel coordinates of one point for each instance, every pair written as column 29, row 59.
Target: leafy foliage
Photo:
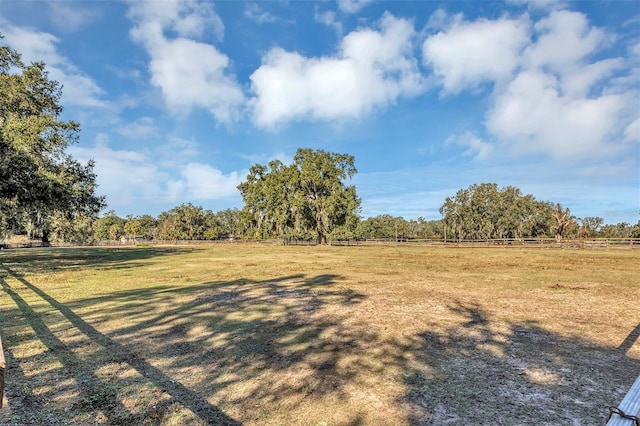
column 79, row 230
column 228, row 223
column 38, row 179
column 184, row 222
column 307, row 198
column 485, row 212
column 109, row 227
column 393, row 227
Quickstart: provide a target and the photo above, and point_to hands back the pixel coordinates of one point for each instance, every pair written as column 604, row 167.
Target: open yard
column 274, row 335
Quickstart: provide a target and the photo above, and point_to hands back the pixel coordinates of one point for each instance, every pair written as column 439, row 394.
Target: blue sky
column 177, row 99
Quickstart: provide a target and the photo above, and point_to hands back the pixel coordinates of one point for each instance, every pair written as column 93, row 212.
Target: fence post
column 2, row 367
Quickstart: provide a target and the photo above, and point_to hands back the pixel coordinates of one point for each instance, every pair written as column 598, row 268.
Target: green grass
column 271, row 335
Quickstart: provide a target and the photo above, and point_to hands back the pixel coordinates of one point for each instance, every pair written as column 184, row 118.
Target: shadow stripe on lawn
column 201, row 407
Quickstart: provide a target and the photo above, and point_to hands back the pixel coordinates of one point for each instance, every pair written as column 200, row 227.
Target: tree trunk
column 45, row 238
column 322, row 239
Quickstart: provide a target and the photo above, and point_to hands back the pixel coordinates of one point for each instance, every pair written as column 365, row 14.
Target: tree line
column 45, row 193
column 190, row 222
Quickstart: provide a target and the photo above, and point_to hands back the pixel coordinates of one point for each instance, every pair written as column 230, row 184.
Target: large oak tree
column 485, row 211
column 308, row 197
column 38, row 179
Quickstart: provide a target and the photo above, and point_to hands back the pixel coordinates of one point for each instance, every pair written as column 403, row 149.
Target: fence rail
column 579, row 243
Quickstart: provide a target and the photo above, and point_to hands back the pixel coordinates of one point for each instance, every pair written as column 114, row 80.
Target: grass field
column 273, row 335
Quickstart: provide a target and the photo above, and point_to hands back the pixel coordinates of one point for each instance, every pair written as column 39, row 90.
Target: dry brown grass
column 257, row 335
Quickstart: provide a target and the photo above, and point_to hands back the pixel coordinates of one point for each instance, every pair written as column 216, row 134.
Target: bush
column 17, row 241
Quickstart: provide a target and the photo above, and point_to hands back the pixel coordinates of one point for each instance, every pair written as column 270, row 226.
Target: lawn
column 274, row 335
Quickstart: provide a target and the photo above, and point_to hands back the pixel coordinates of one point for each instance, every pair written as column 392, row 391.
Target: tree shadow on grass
column 246, row 331
column 491, row 372
column 270, row 351
column 98, row 395
column 631, row 339
column 55, row 259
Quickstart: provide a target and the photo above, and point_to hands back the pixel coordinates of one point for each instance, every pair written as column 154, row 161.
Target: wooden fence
column 578, row 243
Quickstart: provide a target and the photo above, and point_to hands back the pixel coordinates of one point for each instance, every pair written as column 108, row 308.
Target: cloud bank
column 548, row 94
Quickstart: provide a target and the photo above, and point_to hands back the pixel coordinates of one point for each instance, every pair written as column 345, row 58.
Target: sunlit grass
column 310, row 335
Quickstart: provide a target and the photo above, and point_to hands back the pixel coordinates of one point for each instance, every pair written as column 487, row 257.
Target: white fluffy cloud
column 632, row 131
column 371, row 69
column 188, row 72
column 202, row 182
column 532, row 116
column 328, row 18
column 186, row 18
column 125, row 176
column 129, row 176
column 466, row 54
column 176, row 151
column 564, row 39
column 549, row 95
column 142, row 128
column 476, row 147
column 34, row 46
column 191, row 73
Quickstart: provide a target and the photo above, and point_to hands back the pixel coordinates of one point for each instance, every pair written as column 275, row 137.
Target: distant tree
column 485, row 212
column 115, row 232
column 611, row 231
column 381, row 226
column 148, row 227
column 39, row 180
column 635, row 233
column 272, row 205
column 619, row 230
column 132, row 227
column 211, row 229
column 144, row 226
column 109, row 227
column 309, row 196
column 184, row 222
column 624, row 230
column 229, row 222
column 563, row 221
column 592, row 225
column 211, row 234
column 430, row 229
column 387, row 227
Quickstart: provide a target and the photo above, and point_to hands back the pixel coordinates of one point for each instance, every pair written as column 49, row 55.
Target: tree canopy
column 308, row 197
column 187, row 222
column 484, row 212
column 38, row 179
